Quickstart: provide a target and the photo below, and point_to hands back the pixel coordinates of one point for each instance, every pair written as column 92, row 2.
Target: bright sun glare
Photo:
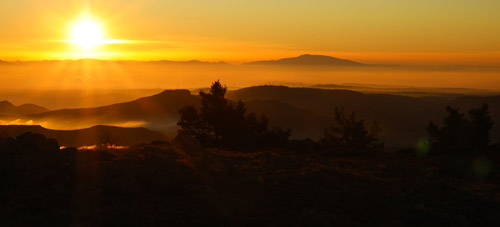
column 87, row 34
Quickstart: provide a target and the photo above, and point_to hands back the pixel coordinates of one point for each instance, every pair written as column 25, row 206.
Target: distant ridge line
column 309, row 59
column 305, row 59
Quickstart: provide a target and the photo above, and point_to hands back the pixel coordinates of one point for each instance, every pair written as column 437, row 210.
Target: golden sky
column 370, row 31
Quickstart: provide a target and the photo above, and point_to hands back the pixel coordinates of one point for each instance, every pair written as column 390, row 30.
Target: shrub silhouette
column 460, row 133
column 221, row 122
column 349, row 132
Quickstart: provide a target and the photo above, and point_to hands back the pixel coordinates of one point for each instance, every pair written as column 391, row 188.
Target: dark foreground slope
column 96, row 135
column 164, row 184
column 37, row 181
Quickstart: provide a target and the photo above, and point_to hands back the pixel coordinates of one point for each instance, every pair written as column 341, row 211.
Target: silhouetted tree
column 221, row 122
column 192, row 125
column 480, row 126
column 460, row 133
column 349, row 132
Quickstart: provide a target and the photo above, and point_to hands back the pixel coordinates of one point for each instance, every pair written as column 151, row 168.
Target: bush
column 462, row 134
column 221, row 122
column 349, row 132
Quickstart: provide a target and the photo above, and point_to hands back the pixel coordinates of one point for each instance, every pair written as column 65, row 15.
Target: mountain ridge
column 8, row 108
column 308, row 59
column 304, row 59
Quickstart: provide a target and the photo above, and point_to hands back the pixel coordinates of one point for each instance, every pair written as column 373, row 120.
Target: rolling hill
column 7, row 108
column 403, row 119
column 303, row 122
column 157, row 112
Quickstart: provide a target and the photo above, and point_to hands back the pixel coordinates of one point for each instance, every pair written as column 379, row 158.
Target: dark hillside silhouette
column 157, row 112
column 402, row 118
column 305, row 123
column 221, row 122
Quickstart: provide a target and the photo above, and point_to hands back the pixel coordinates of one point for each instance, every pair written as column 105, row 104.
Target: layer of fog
column 90, row 83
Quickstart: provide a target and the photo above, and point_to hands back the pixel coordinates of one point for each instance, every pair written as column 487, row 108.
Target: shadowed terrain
column 402, row 118
column 171, row 184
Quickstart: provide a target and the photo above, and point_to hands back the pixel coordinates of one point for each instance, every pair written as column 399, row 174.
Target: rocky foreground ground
column 164, row 183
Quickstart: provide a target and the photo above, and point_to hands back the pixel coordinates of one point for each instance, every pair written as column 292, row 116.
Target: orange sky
column 384, row 31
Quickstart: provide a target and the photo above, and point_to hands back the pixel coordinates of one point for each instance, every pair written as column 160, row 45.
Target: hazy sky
column 372, row 31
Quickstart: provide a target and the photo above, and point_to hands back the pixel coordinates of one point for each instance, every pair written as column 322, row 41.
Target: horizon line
column 362, row 64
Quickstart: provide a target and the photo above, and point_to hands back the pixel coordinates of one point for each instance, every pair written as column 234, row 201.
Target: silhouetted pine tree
column 460, row 133
column 349, row 132
column 221, row 122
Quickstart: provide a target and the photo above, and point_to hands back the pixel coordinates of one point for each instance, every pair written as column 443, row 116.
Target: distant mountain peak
column 313, row 55
column 191, row 62
column 309, row 59
column 316, row 56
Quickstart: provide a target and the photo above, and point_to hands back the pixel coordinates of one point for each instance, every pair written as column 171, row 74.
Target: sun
column 87, row 34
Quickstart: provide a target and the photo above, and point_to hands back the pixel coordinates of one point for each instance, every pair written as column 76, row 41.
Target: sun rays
column 89, row 38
